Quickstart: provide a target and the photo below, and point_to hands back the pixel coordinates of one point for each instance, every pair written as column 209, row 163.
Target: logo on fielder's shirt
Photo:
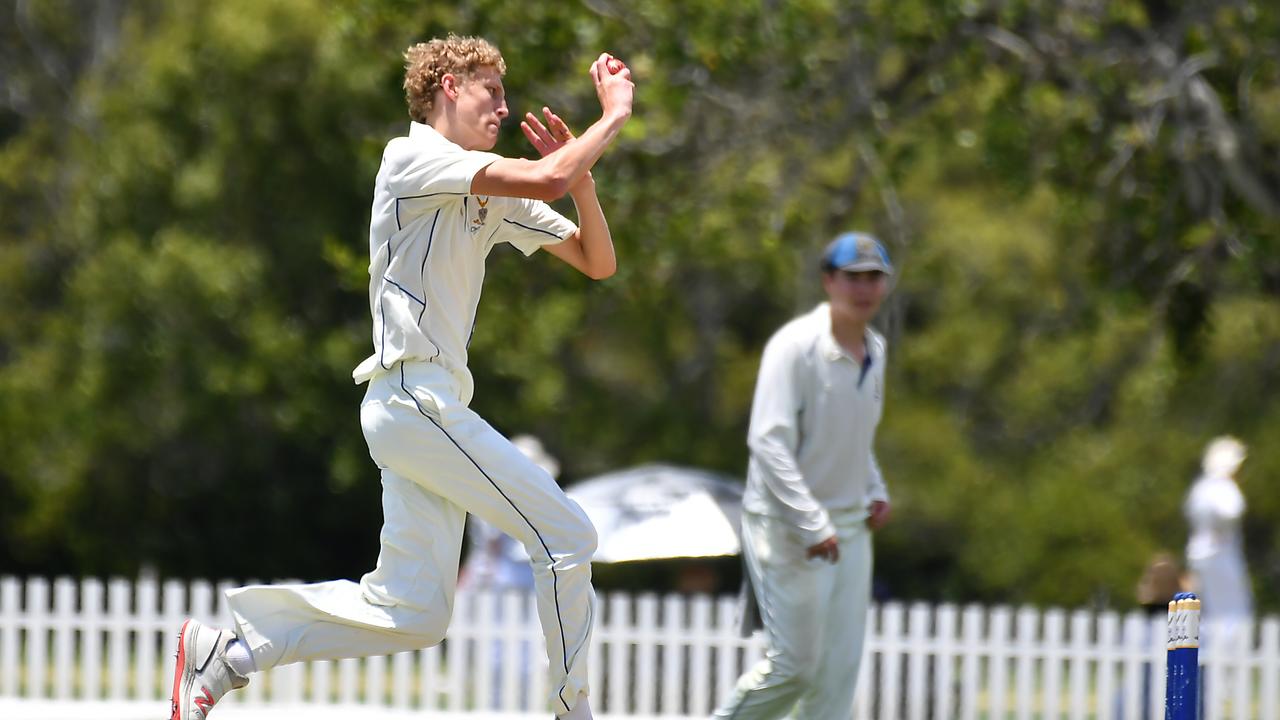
column 476, row 221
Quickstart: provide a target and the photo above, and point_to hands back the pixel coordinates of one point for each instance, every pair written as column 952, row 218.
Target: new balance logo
column 204, row 703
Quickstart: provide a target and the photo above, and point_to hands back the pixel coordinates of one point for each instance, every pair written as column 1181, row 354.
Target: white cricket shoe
column 202, row 676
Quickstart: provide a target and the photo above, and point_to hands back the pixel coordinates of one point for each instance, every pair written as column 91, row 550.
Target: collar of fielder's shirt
column 422, row 131
column 833, row 351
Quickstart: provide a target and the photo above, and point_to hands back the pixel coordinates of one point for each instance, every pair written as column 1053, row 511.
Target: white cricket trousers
column 814, row 614
column 439, row 461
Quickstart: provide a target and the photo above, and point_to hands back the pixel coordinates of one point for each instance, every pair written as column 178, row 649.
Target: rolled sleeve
column 442, row 169
column 531, row 224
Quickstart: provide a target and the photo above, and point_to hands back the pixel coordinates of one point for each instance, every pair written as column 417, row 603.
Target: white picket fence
column 92, row 649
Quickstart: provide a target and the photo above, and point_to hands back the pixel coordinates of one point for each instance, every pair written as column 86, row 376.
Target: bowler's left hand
column 878, row 514
column 548, row 138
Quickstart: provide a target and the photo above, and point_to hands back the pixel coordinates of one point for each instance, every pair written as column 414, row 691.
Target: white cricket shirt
column 1214, row 509
column 813, row 422
column 428, row 240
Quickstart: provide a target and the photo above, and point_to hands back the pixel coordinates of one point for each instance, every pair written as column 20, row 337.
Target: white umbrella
column 661, row 511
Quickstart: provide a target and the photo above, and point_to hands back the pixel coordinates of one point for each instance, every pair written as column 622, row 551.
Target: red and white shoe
column 202, row 676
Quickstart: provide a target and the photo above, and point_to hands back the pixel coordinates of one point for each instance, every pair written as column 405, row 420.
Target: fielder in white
column 441, row 203
column 814, row 493
column 1215, row 550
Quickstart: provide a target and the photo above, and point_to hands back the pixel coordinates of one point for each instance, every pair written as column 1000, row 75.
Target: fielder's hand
column 828, row 550
column 878, row 515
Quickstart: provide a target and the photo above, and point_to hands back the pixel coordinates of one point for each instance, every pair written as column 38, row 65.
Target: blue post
column 1181, row 700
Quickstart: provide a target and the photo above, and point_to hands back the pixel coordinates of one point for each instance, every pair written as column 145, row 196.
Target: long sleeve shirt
column 813, row 423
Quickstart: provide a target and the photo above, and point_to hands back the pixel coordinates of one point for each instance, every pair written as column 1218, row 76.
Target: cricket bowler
column 441, row 203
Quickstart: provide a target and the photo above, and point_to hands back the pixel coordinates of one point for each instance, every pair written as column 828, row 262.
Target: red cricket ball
column 615, row 66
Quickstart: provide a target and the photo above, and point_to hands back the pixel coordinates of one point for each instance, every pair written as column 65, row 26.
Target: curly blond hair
column 425, row 63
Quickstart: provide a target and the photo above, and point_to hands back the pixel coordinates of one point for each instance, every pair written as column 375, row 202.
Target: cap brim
column 866, row 266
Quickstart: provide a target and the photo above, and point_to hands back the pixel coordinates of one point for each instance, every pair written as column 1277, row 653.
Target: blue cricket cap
column 856, row 252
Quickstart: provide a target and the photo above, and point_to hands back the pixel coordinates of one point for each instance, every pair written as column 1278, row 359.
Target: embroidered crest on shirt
column 476, row 221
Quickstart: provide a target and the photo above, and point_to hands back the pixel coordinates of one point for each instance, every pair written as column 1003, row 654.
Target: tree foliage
column 1082, row 198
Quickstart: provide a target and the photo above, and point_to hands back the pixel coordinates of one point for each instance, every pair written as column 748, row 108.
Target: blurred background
column 1082, row 198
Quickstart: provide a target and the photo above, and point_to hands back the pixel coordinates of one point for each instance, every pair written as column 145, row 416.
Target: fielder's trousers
column 439, row 461
column 814, row 615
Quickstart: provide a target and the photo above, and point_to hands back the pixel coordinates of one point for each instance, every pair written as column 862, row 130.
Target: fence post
column 1240, row 663
column 621, row 671
column 538, row 681
column 64, row 637
column 9, row 629
column 457, row 653
column 485, row 608
column 973, row 651
column 375, row 679
column 145, row 639
column 119, row 595
column 728, row 645
column 429, row 678
column 673, row 644
column 701, row 641
column 1024, row 666
column 174, row 603
column 348, row 680
column 1131, row 669
column 1157, row 653
column 892, row 622
column 1269, row 688
column 37, row 637
column 1079, row 670
column 1104, row 688
column 873, row 643
column 1054, row 639
column 998, row 661
column 91, row 659
column 401, row 674
column 918, row 653
column 945, row 628
column 647, row 639
column 519, row 657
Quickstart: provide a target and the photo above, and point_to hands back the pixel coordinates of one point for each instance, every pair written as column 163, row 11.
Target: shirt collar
column 831, row 349
column 423, row 131
column 827, row 345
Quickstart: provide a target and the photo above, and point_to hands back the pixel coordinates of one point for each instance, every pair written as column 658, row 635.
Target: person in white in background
column 497, row 563
column 815, row 493
column 1215, row 550
column 441, row 203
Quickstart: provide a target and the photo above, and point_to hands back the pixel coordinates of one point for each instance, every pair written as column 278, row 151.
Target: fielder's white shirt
column 1214, row 508
column 1215, row 551
column 428, row 240
column 813, row 422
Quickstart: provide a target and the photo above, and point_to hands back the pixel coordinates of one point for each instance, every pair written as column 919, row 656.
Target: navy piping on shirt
column 391, row 251
column 555, row 592
column 405, row 290
column 418, row 197
column 866, row 360
column 530, row 227
column 430, row 239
